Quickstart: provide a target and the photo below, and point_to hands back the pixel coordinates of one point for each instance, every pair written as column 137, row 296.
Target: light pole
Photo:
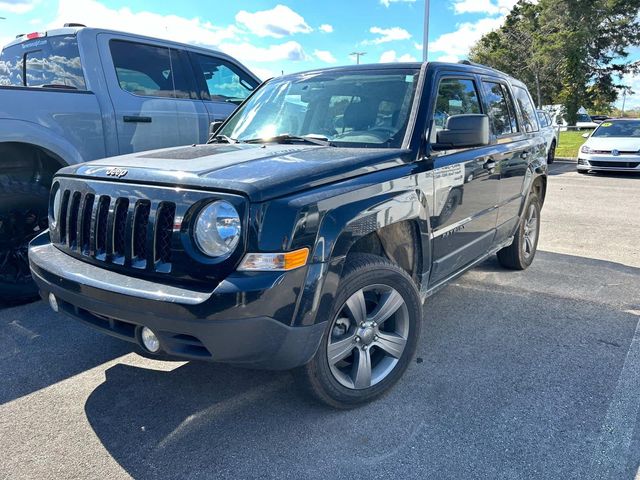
column 358, row 55
column 425, row 37
column 624, row 100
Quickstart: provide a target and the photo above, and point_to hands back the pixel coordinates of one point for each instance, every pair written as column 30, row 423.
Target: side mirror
column 215, row 126
column 585, row 135
column 463, row 131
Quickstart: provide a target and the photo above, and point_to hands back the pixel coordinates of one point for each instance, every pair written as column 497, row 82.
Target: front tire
column 582, row 172
column 371, row 338
column 551, row 156
column 520, row 254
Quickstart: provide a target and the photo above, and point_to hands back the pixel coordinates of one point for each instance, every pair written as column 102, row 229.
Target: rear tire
column 520, row 254
column 23, row 215
column 582, row 172
column 372, row 335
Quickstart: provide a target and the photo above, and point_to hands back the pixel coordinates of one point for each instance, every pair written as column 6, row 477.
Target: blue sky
column 271, row 37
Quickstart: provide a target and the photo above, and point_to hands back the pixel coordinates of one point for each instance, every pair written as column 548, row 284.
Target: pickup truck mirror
column 215, row 126
column 463, row 131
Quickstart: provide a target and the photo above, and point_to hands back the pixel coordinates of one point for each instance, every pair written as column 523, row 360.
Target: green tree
column 579, row 49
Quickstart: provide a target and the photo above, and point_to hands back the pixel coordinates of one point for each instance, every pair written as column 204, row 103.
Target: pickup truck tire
column 551, row 156
column 377, row 310
column 23, row 214
column 522, row 251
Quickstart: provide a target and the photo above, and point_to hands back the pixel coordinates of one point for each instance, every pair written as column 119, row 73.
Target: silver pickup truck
column 77, row 94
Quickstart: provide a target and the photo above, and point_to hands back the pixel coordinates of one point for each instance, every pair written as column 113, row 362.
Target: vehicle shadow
column 513, row 378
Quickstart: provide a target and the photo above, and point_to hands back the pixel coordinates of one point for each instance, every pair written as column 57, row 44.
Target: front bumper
column 619, row 163
column 245, row 320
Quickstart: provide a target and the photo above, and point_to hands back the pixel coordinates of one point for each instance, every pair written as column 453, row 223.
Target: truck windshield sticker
column 607, row 124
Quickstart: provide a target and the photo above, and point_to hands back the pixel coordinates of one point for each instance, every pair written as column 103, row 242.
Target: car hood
column 259, row 171
column 623, row 144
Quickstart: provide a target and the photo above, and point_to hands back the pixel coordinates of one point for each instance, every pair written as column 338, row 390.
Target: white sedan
column 613, row 146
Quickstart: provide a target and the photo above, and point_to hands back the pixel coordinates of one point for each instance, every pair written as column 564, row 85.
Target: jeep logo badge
column 116, row 172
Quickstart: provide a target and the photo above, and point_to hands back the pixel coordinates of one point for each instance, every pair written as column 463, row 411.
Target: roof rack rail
column 20, row 35
column 74, row 25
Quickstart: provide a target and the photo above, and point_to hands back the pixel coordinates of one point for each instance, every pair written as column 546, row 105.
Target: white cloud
column 386, row 3
column 326, row 28
column 18, row 6
column 391, row 56
column 35, row 21
column 387, row 35
column 448, row 58
column 489, row 7
column 171, row 27
column 247, row 52
column 325, row 56
column 264, row 73
column 278, row 22
column 459, row 42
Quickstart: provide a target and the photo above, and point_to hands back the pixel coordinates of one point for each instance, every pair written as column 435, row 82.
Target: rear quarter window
column 43, row 62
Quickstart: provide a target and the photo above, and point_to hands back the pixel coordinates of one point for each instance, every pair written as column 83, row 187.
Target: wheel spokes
column 357, row 307
column 391, row 343
column 389, row 304
column 362, row 369
column 340, row 350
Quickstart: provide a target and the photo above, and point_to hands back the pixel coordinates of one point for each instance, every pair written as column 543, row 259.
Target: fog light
column 149, row 340
column 53, row 303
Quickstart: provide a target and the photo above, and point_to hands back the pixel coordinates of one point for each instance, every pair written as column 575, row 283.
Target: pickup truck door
column 141, row 84
column 464, row 210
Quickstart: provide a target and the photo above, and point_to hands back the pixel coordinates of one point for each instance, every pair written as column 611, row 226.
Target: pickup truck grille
column 117, row 230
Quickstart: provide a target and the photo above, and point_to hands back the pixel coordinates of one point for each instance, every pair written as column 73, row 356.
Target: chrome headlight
column 217, row 229
column 585, row 149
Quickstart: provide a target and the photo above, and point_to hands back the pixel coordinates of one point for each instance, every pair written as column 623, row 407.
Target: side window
column 527, row 110
column 143, row 69
column 456, row 96
column 543, row 119
column 500, row 118
column 224, row 82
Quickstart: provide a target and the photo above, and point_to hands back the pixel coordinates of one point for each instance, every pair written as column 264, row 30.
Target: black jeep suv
column 310, row 229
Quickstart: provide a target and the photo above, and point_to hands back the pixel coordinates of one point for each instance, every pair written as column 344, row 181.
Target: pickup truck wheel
column 23, row 214
column 551, row 156
column 372, row 335
column 519, row 255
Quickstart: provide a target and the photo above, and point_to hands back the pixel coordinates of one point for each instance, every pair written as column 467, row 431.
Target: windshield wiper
column 222, row 139
column 285, row 137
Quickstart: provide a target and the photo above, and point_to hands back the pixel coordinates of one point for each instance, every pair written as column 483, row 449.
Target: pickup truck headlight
column 585, row 149
column 217, row 229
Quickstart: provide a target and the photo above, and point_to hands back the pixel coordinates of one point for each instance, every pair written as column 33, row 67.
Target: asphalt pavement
column 519, row 375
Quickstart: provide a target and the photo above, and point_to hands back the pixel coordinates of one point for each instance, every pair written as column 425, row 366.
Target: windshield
column 619, row 128
column 356, row 109
column 43, row 62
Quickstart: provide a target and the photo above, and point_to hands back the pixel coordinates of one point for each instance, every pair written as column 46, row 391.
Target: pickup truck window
column 456, row 96
column 149, row 70
column 47, row 61
column 526, row 109
column 224, row 82
column 502, row 118
column 352, row 109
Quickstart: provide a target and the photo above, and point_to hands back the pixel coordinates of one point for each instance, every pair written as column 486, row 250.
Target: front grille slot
column 139, row 234
column 120, row 227
column 72, row 221
column 101, row 225
column 87, row 212
column 62, row 216
column 164, row 232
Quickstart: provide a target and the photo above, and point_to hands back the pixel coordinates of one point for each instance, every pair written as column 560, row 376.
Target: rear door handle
column 489, row 165
column 136, row 119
